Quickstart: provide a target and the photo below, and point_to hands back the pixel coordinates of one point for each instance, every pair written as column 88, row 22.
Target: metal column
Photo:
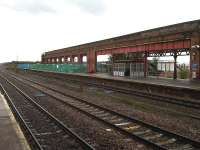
column 145, row 64
column 175, row 68
column 195, row 56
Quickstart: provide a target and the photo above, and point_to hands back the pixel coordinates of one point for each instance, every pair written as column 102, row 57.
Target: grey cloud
column 95, row 7
column 30, row 6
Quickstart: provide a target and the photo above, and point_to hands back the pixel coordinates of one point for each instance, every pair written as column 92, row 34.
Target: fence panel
column 71, row 68
column 137, row 70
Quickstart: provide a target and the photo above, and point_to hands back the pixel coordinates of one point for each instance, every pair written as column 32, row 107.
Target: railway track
column 42, row 129
column 146, row 133
column 173, row 111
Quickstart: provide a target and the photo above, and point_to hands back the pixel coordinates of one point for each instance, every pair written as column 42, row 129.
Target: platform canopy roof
column 173, row 36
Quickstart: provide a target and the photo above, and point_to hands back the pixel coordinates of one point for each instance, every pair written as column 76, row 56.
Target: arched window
column 63, row 59
column 75, row 59
column 84, row 59
column 68, row 59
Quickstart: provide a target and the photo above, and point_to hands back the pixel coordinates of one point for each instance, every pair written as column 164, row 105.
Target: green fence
column 71, row 68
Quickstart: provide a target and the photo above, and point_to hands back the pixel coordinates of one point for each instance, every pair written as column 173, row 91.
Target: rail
column 126, row 124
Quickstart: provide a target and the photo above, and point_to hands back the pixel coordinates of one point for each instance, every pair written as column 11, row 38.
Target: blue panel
column 23, row 66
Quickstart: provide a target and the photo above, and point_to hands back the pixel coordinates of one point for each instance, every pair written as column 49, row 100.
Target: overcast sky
column 30, row 27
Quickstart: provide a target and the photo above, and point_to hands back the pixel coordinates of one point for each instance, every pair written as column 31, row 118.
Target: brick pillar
column 65, row 59
column 56, row 60
column 80, row 59
column 91, row 61
column 71, row 59
column 60, row 60
column 195, row 56
column 43, row 59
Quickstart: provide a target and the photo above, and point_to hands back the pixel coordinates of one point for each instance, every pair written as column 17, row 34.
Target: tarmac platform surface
column 179, row 83
column 192, row 84
column 179, row 89
column 11, row 137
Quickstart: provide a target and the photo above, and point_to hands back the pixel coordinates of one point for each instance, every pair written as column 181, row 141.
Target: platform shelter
column 174, row 40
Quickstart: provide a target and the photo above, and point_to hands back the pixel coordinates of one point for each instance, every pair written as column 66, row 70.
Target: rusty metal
column 170, row 38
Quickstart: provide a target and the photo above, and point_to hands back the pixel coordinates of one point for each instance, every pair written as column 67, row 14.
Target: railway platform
column 166, row 82
column 179, row 83
column 181, row 89
column 10, row 134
